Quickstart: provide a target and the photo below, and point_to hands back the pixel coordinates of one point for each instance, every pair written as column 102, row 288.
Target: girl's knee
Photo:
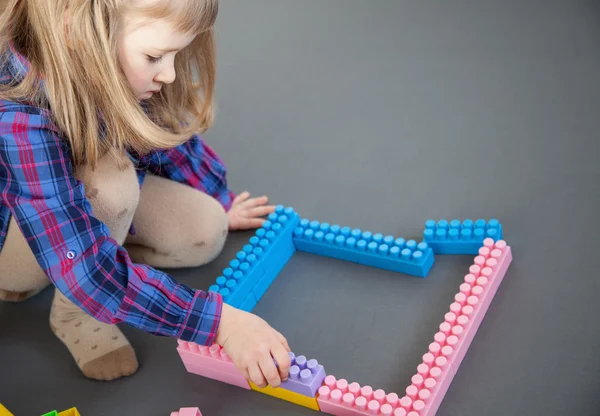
column 19, row 269
column 211, row 235
column 190, row 236
column 113, row 192
column 204, row 234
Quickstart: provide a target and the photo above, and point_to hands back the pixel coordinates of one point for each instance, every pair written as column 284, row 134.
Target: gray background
column 380, row 115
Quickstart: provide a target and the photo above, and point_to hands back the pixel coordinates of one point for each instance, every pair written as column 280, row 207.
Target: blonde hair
column 84, row 86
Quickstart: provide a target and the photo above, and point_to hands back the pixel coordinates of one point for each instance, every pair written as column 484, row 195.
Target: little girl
column 103, row 177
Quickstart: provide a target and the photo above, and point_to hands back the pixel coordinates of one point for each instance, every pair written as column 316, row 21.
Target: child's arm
column 92, row 270
column 75, row 249
column 193, row 163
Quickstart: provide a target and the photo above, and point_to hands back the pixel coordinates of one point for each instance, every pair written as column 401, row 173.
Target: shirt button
column 70, row 254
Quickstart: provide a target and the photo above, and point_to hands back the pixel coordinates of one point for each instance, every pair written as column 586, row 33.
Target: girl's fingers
column 283, row 341
column 260, row 211
column 269, row 371
column 254, row 202
column 252, row 223
column 256, row 375
column 241, row 197
column 246, row 223
column 283, row 360
column 246, row 374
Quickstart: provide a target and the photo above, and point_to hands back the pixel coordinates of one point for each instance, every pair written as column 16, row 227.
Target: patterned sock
column 100, row 350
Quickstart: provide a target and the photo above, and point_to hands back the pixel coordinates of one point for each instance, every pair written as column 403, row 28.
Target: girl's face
column 147, row 54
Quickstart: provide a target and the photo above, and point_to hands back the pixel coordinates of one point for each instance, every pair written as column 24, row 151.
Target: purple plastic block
column 306, row 376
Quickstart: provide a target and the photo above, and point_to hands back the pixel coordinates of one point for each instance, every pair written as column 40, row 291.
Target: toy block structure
column 434, row 375
column 187, row 411
column 211, row 362
column 4, row 411
column 290, row 396
column 354, row 245
column 302, row 385
column 256, row 266
column 69, row 412
column 456, row 237
column 446, row 352
column 338, row 397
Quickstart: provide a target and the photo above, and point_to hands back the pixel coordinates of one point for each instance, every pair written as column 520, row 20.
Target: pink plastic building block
column 441, row 362
column 211, row 362
column 434, row 375
column 187, row 411
column 337, row 397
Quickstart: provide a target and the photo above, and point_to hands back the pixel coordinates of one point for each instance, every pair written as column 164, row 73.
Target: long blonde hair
column 84, row 87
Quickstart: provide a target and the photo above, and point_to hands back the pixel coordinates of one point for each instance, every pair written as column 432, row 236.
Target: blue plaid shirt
column 73, row 247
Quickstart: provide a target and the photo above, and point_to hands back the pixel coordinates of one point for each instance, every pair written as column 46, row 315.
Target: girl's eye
column 154, row 59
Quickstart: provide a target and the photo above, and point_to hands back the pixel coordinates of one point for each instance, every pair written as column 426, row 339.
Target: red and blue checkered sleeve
column 75, row 249
column 195, row 164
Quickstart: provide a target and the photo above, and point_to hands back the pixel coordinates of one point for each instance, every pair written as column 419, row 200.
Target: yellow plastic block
column 4, row 411
column 70, row 412
column 290, row 396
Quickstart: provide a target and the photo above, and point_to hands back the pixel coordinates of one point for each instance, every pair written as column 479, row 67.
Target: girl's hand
column 246, row 212
column 254, row 347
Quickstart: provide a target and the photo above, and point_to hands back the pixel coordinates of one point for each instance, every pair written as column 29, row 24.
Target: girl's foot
column 100, row 350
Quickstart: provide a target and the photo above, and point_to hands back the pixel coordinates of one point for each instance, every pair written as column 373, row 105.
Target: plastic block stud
column 305, row 377
column 4, row 411
column 187, row 411
column 69, row 412
column 354, row 245
column 256, row 266
column 290, row 396
column 211, row 362
column 456, row 237
column 302, row 385
column 450, row 344
column 337, row 397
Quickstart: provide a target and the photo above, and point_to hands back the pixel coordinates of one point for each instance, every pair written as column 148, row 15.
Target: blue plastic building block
column 249, row 303
column 456, row 237
column 258, row 263
column 305, row 376
column 278, row 253
column 395, row 254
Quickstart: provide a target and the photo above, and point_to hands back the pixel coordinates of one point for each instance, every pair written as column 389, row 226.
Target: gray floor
column 478, row 109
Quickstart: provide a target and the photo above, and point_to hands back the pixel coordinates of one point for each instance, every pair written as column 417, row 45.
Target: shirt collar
column 18, row 65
